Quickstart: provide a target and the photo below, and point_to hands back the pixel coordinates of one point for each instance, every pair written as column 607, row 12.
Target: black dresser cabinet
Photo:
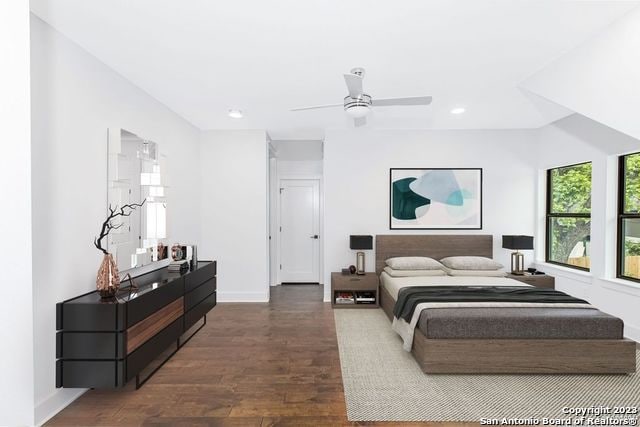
column 106, row 343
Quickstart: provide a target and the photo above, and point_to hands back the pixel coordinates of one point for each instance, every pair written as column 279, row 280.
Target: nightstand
column 354, row 291
column 537, row 280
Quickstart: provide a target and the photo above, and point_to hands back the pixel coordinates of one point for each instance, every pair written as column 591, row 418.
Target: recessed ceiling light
column 236, row 114
column 458, row 110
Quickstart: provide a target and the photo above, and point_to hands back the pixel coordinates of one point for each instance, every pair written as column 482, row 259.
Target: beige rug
column 382, row 382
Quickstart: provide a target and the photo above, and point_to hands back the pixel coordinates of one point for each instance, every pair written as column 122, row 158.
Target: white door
column 299, row 230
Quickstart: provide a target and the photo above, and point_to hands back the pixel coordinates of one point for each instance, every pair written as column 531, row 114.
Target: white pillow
column 413, row 263
column 413, row 273
column 476, row 273
column 470, row 263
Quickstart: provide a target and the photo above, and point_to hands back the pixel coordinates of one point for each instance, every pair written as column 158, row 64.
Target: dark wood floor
column 274, row 364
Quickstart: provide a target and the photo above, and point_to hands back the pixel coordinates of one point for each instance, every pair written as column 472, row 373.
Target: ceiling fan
column 358, row 104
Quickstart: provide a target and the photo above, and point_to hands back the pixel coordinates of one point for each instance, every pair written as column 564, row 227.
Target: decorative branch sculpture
column 107, row 225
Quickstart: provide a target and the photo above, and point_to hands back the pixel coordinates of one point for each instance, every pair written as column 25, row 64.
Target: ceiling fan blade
column 316, row 107
column 354, row 84
column 360, row 121
column 412, row 100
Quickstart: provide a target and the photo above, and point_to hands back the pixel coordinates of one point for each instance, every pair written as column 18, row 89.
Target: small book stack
column 345, row 298
column 365, row 297
column 181, row 266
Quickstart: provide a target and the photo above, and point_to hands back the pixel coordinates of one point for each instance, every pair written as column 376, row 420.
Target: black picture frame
column 623, row 214
column 550, row 216
column 390, row 207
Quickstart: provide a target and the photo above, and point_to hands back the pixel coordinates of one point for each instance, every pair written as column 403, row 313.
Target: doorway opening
column 296, row 213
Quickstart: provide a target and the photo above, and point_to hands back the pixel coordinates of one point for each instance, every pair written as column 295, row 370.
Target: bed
column 464, row 339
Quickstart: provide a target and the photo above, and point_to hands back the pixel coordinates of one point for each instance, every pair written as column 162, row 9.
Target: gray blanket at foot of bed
column 519, row 323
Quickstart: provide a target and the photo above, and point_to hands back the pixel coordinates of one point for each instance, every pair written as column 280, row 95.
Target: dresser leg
column 204, row 323
column 179, row 345
column 148, row 377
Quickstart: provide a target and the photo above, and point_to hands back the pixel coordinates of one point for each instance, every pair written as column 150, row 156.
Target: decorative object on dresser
column 108, row 278
column 184, row 254
column 360, row 243
column 106, row 343
column 538, row 279
column 359, row 291
column 517, row 258
column 181, row 266
column 435, row 198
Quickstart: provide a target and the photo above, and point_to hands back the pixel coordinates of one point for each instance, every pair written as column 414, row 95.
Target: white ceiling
column 202, row 57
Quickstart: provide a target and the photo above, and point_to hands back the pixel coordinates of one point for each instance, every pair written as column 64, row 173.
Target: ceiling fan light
column 358, row 111
column 458, row 110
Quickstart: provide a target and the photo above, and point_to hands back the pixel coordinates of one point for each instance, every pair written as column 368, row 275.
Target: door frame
column 320, row 217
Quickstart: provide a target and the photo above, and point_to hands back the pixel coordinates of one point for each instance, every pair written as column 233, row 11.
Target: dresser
column 106, row 343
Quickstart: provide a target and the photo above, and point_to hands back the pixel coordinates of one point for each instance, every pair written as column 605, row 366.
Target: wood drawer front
column 90, row 373
column 538, row 281
column 193, row 315
column 145, row 305
column 192, row 298
column 199, row 276
column 141, row 332
column 354, row 282
column 90, row 345
column 153, row 348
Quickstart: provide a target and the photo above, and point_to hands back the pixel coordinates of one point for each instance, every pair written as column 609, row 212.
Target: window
column 569, row 216
column 629, row 217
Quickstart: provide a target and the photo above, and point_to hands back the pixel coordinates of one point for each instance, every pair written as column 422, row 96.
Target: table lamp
column 517, row 258
column 360, row 243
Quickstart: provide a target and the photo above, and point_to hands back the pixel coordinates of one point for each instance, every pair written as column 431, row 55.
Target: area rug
column 382, row 382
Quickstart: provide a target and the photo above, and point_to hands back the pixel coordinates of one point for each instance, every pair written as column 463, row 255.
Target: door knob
column 315, row 236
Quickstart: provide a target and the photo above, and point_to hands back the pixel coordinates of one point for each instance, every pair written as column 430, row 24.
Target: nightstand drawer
column 537, row 280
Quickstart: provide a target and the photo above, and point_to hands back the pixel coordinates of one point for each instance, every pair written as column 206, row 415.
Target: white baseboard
column 56, row 402
column 632, row 332
column 243, row 297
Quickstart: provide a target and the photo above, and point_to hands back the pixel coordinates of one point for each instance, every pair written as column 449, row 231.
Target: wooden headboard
column 436, row 246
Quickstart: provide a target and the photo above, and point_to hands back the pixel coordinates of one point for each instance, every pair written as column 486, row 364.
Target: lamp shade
column 361, row 242
column 517, row 242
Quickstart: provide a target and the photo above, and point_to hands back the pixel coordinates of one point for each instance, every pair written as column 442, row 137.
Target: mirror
column 137, row 175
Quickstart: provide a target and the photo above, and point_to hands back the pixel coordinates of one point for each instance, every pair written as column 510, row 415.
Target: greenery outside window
column 569, row 216
column 629, row 217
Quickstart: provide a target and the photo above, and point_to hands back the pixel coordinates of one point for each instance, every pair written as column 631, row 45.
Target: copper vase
column 108, row 280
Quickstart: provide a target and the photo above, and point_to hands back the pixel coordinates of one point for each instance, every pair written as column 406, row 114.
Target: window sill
column 621, row 285
column 569, row 273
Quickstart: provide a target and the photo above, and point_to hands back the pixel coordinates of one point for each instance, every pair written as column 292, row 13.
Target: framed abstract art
column 435, row 199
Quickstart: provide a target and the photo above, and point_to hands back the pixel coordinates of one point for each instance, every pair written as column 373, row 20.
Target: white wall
column 297, row 150
column 75, row 98
column 356, row 181
column 299, row 168
column 16, row 304
column 234, row 215
column 573, row 140
column 599, row 79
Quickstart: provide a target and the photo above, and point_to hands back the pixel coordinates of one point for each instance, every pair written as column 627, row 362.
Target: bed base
column 508, row 356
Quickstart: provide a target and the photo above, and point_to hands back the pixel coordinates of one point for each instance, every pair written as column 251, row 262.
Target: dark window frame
column 552, row 215
column 622, row 215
